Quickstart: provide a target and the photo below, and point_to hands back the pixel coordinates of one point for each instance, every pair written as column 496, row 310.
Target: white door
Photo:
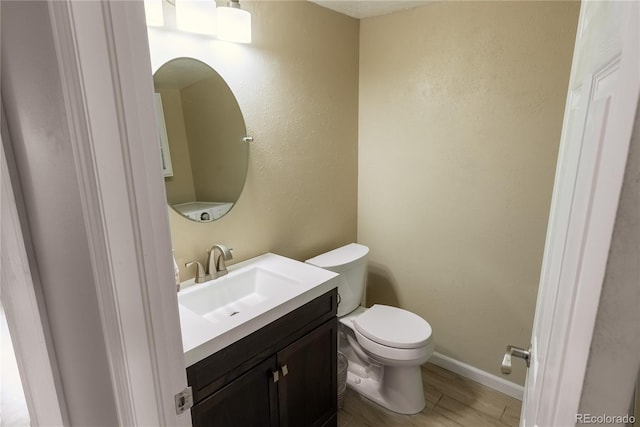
column 599, row 117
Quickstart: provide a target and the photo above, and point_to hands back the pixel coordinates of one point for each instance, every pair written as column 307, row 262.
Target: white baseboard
column 477, row 375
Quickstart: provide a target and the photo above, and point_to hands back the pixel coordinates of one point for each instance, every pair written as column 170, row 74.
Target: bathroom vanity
column 281, row 375
column 271, row 361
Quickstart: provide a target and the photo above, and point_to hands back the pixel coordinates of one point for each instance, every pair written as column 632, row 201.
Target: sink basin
column 232, row 295
column 255, row 293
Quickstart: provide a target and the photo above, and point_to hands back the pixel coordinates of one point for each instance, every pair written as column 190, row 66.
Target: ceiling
column 367, row 8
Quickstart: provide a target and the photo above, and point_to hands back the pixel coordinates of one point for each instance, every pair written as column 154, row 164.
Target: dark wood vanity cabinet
column 307, row 395
column 281, row 375
column 250, row 400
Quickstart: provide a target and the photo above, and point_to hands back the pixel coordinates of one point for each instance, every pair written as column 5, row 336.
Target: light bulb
column 234, row 24
column 153, row 13
column 196, row 16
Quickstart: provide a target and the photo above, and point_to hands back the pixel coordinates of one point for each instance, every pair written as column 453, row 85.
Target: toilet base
column 402, row 391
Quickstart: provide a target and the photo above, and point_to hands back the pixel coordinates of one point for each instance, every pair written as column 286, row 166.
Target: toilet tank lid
column 339, row 256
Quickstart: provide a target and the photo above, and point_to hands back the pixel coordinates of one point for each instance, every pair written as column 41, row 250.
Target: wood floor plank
column 432, row 396
column 452, row 401
column 465, row 415
column 366, row 413
column 469, row 392
column 344, row 418
column 433, row 418
column 511, row 416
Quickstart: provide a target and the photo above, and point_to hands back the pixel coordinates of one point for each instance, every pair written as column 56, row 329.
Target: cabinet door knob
column 276, row 376
column 284, row 370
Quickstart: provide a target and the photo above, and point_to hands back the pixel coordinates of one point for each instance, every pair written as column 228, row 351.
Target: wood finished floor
column 452, row 401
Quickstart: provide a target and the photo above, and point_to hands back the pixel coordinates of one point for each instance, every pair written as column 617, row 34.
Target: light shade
column 196, row 16
column 234, row 24
column 153, row 13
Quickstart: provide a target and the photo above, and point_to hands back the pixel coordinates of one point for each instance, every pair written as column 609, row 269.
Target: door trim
column 103, row 58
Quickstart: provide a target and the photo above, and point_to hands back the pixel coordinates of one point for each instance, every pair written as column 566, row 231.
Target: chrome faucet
column 201, row 275
column 218, row 268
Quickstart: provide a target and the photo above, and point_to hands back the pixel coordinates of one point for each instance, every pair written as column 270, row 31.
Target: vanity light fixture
column 234, row 24
column 196, row 16
column 153, row 13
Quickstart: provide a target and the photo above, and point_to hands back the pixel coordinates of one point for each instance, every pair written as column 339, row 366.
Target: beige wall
column 215, row 129
column 460, row 114
column 297, row 86
column 205, row 128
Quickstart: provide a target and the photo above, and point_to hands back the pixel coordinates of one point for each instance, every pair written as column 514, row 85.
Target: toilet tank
column 350, row 262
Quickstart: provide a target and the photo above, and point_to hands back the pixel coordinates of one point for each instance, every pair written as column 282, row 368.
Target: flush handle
column 517, row 352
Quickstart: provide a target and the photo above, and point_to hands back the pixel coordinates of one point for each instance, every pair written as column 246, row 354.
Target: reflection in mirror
column 205, row 131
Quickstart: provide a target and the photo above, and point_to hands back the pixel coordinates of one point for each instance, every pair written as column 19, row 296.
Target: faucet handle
column 201, row 275
column 211, row 264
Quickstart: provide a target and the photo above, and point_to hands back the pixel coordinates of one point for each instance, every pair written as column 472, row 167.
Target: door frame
column 103, row 58
column 26, row 320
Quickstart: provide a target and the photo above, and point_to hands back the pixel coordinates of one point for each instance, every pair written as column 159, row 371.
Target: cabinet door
column 308, row 391
column 249, row 401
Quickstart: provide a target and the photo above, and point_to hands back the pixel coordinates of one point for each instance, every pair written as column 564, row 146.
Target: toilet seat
column 394, row 356
column 393, row 327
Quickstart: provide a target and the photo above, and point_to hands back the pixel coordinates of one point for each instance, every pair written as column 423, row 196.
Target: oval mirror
column 202, row 131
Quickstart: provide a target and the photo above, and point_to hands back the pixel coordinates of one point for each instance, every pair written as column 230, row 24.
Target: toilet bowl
column 384, row 345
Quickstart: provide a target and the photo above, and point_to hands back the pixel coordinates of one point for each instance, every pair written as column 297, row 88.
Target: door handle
column 517, row 352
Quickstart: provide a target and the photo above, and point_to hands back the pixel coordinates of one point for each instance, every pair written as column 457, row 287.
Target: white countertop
column 201, row 337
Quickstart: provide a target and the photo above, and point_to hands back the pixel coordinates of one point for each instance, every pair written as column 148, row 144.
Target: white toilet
column 385, row 345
